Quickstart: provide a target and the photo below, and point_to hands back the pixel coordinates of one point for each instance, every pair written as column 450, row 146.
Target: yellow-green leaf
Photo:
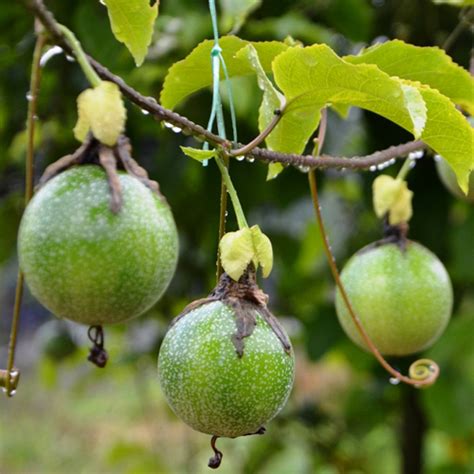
column 101, row 111
column 428, row 65
column 449, row 133
column 235, row 12
column 314, row 77
column 194, row 72
column 456, row 3
column 236, row 252
column 132, row 23
column 415, row 104
column 272, row 98
column 274, row 169
column 198, row 154
column 263, row 250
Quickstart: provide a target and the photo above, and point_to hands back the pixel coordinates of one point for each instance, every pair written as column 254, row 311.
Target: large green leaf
column 456, row 3
column 132, row 24
column 194, row 72
column 272, row 98
column 314, row 77
column 428, row 65
column 449, row 133
column 235, row 12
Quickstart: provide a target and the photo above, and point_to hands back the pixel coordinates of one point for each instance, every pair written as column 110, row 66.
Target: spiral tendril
column 424, row 370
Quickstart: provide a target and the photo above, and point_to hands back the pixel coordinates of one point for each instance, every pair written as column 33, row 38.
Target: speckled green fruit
column 402, row 297
column 213, row 390
column 85, row 263
column 448, row 178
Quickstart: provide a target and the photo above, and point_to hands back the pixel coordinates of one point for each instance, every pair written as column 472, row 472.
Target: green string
column 217, row 111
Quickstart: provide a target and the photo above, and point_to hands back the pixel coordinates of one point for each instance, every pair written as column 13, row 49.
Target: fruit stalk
column 81, row 57
column 239, row 213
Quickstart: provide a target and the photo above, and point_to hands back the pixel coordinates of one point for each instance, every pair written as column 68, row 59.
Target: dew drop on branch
column 47, row 55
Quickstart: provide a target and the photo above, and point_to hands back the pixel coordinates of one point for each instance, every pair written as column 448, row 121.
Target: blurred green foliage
column 343, row 416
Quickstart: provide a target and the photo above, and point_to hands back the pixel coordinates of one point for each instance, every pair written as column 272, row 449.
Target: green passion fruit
column 402, row 295
column 210, row 386
column 87, row 264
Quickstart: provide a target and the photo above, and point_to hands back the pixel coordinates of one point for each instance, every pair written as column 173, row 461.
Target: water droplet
column 168, row 125
column 51, row 52
column 4, row 390
column 145, row 112
column 394, row 380
column 70, row 58
column 438, row 157
column 12, row 393
column 29, row 96
column 412, row 164
column 176, row 129
column 250, row 159
column 226, row 213
column 304, row 169
column 373, row 168
column 240, row 158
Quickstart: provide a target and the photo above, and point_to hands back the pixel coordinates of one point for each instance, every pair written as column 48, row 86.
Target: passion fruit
column 226, row 367
column 88, row 264
column 402, row 294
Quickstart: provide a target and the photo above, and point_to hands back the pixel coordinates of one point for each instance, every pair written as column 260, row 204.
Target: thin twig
column 465, row 20
column 200, row 133
column 429, row 369
column 259, row 138
column 30, row 127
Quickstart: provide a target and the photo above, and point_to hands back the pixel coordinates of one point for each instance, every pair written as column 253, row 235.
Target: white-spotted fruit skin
column 402, row 297
column 213, row 390
column 85, row 263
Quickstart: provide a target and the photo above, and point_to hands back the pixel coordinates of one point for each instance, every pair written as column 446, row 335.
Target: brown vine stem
column 30, row 127
column 423, row 372
column 259, row 138
column 466, row 17
column 188, row 127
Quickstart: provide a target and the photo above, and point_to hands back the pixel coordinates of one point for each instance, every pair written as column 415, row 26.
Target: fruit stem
column 222, row 221
column 81, row 57
column 405, row 169
column 239, row 213
column 35, row 81
column 423, row 372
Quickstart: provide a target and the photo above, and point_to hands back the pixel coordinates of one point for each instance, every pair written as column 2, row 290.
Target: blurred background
column 343, row 416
